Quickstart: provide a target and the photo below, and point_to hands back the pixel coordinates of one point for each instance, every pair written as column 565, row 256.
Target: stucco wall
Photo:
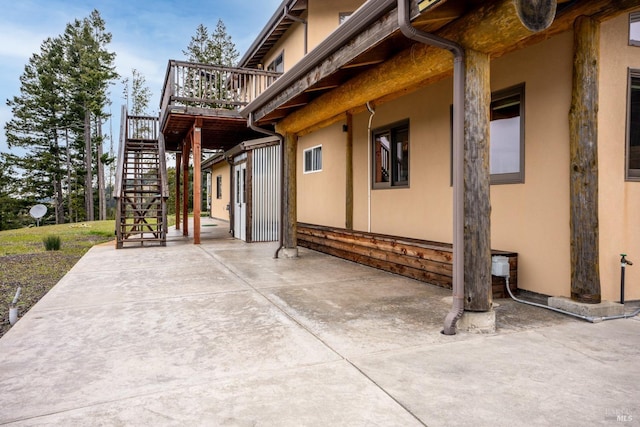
column 322, row 20
column 619, row 200
column 324, row 15
column 321, row 195
column 219, row 206
column 292, row 44
column 530, row 218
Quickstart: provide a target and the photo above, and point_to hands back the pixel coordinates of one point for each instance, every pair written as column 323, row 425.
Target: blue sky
column 146, row 34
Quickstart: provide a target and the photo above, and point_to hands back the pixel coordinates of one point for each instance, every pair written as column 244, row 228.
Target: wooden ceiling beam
column 493, row 28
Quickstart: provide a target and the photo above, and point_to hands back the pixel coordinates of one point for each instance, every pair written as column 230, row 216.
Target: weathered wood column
column 186, row 149
column 349, row 174
column 290, row 214
column 197, row 179
column 477, row 206
column 583, row 137
column 178, row 201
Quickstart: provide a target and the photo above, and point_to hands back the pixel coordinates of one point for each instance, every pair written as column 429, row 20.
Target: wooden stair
column 141, row 184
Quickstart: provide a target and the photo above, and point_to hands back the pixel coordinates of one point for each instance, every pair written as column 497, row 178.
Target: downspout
column 404, row 21
column 255, row 127
column 301, row 21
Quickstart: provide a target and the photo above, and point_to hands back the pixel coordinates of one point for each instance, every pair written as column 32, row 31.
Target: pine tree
column 216, row 49
column 36, row 124
column 139, row 94
column 58, row 115
column 91, row 73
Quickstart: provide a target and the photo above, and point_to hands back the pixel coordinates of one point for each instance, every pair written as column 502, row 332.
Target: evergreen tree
column 36, row 124
column 58, row 115
column 10, row 205
column 91, row 72
column 139, row 94
column 216, row 49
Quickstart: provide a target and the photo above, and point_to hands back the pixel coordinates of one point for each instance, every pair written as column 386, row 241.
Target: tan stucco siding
column 531, row 218
column 619, row 201
column 423, row 210
column 291, row 44
column 324, row 17
column 321, row 195
column 219, row 206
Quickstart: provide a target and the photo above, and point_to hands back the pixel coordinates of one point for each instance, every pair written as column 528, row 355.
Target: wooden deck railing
column 211, row 86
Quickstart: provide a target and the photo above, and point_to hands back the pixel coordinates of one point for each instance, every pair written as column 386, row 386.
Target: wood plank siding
column 423, row 260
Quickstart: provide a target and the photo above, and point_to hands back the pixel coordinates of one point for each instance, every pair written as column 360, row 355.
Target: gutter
column 404, row 21
column 365, row 15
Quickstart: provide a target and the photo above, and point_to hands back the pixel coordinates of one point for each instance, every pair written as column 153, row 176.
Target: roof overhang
column 284, row 17
column 372, row 37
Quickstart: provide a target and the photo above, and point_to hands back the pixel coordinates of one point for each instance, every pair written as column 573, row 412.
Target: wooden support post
column 349, row 174
column 290, row 217
column 186, row 149
column 178, row 201
column 477, row 206
column 583, row 147
column 197, row 179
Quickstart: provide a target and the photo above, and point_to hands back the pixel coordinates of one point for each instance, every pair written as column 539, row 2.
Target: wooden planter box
column 427, row 261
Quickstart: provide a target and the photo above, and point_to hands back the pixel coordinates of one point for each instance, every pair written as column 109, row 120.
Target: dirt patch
column 35, row 273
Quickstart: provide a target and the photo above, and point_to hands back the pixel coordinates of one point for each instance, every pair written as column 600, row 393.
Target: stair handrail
column 163, row 167
column 117, row 189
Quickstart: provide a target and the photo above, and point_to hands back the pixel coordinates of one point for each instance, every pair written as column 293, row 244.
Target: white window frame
column 316, row 159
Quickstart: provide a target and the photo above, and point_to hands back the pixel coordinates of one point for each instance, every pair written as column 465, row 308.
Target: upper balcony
column 213, row 93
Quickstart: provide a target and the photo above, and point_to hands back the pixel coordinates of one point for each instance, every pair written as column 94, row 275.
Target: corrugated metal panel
column 266, row 194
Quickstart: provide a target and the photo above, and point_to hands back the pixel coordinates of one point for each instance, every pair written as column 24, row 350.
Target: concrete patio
column 223, row 334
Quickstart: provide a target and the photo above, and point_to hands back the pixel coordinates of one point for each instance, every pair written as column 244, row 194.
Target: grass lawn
column 24, row 261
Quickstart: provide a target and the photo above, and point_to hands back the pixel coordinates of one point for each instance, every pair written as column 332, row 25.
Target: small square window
column 313, row 159
column 391, row 156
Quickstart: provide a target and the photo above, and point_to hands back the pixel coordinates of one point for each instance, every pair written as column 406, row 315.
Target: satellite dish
column 37, row 212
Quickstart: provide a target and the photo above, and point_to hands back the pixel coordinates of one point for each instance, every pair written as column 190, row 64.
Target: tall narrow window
column 634, row 29
column 633, row 127
column 219, row 187
column 391, row 156
column 313, row 159
column 507, row 136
